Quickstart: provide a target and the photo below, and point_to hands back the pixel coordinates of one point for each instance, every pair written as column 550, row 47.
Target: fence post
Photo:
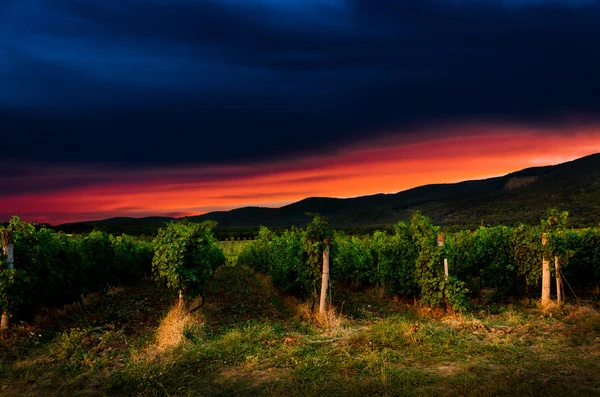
column 324, row 280
column 559, row 297
column 441, row 241
column 8, row 249
column 180, row 300
column 545, row 275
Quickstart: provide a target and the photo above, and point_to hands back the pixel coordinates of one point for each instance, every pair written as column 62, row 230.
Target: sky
column 180, row 107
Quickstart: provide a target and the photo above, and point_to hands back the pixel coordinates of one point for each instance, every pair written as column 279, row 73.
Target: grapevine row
column 52, row 268
column 498, row 262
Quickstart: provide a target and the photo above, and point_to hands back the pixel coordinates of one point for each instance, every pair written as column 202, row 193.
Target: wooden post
column 559, row 297
column 324, row 280
column 441, row 241
column 8, row 249
column 545, row 276
column 180, row 301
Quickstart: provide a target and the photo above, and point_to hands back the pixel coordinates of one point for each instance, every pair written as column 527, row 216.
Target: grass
column 232, row 248
column 248, row 340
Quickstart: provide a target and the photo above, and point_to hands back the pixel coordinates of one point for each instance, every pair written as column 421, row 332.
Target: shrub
column 185, row 256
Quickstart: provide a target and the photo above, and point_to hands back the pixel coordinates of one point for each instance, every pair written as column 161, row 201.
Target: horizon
column 562, row 161
column 181, row 108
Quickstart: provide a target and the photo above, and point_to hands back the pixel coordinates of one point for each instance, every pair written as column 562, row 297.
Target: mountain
column 118, row 225
column 519, row 197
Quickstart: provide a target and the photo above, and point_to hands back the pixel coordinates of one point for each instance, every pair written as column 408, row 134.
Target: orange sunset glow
column 386, row 166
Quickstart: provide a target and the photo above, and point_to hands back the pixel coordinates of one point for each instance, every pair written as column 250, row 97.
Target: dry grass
column 300, row 309
column 583, row 313
column 171, row 329
column 169, row 334
column 459, row 321
column 331, row 320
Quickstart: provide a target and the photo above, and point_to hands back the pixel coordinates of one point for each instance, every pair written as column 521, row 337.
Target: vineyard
column 231, row 247
column 401, row 325
column 491, row 263
column 53, row 269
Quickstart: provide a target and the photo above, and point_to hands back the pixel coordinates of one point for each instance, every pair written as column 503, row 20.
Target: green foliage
column 354, row 260
column 456, row 293
column 256, row 253
column 185, row 255
column 12, row 282
column 317, row 232
column 483, row 259
column 288, row 262
column 395, row 256
column 428, row 275
column 554, row 227
column 131, row 257
column 434, row 287
column 504, row 260
column 100, row 257
column 294, row 259
column 526, row 251
column 52, row 269
column 583, row 247
column 388, row 260
column 557, row 220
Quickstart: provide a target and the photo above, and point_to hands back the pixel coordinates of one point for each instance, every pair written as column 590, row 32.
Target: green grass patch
column 249, row 340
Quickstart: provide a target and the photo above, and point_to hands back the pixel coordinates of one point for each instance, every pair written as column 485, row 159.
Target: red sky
column 71, row 193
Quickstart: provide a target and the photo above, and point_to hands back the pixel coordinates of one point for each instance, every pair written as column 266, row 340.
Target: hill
column 519, row 197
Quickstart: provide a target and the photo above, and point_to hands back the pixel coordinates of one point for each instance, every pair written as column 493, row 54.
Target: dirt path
column 235, row 294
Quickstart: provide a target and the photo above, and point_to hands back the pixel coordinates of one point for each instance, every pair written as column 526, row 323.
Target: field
column 232, row 248
column 250, row 340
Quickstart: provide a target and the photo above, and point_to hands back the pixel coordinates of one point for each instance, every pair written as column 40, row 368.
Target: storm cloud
column 207, row 82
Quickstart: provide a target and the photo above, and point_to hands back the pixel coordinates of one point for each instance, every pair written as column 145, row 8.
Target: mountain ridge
column 522, row 196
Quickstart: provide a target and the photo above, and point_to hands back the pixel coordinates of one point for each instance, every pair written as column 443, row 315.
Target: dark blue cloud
column 222, row 81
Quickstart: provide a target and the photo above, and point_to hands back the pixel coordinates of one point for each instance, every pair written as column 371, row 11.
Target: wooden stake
column 559, row 289
column 324, row 280
column 5, row 322
column 441, row 241
column 8, row 249
column 545, row 276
